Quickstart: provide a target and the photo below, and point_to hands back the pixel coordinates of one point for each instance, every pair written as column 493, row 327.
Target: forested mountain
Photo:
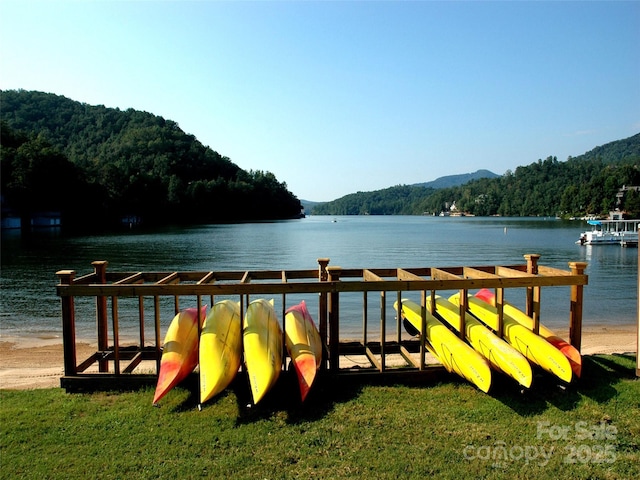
column 582, row 185
column 398, row 200
column 97, row 163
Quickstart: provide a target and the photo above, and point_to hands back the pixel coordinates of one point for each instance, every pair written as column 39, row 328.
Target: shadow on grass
column 285, row 397
column 600, row 374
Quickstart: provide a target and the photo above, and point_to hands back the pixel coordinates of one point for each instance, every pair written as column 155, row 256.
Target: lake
column 29, row 305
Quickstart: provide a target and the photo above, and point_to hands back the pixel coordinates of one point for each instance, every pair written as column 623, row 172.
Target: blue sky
column 344, row 96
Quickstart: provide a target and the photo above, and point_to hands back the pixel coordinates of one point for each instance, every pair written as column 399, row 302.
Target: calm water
column 30, row 307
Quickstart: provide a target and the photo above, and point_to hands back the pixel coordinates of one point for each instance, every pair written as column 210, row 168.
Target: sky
column 335, row 97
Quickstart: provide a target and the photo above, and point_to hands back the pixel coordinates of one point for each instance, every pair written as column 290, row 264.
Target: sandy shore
column 38, row 363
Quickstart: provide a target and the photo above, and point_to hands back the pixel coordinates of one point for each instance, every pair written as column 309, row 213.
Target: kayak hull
column 304, row 345
column 568, row 350
column 220, row 348
column 262, row 339
column 535, row 348
column 179, row 351
column 450, row 350
column 502, row 356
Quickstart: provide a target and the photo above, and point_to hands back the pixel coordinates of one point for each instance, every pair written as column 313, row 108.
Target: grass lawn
column 346, row 429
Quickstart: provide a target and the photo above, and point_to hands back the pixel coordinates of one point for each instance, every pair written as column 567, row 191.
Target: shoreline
column 37, row 362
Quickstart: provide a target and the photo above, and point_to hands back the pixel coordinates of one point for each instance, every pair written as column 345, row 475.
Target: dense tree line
column 582, row 185
column 94, row 162
column 398, row 200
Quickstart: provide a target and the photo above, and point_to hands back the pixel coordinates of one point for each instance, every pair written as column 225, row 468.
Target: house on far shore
column 10, row 221
column 46, row 220
column 10, row 218
column 130, row 220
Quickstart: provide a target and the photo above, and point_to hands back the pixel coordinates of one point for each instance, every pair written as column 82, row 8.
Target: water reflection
column 29, row 304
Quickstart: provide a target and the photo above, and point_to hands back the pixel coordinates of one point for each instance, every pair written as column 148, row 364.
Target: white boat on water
column 611, row 232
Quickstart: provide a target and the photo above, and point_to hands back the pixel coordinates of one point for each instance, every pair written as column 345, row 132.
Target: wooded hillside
column 96, row 163
column 582, row 185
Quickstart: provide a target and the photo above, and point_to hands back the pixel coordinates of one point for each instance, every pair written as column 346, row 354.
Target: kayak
column 179, row 351
column 262, row 337
column 450, row 350
column 303, row 344
column 220, row 348
column 568, row 350
column 499, row 353
column 532, row 346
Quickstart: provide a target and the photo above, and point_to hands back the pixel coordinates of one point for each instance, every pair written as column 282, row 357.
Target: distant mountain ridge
column 440, row 182
column 584, row 185
column 456, row 180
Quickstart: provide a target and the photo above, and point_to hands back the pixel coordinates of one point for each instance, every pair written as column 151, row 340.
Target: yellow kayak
column 450, row 350
column 220, row 348
column 568, row 350
column 500, row 354
column 262, row 347
column 303, row 344
column 179, row 351
column 532, row 346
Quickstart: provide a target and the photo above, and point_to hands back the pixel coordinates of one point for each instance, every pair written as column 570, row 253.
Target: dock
column 381, row 352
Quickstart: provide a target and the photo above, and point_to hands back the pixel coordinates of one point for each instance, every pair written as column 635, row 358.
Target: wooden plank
column 136, row 277
column 208, row 278
column 314, row 287
column 88, row 362
column 470, row 272
column 511, row 273
column 171, row 278
column 403, row 274
column 552, row 272
column 134, row 363
column 441, row 274
column 369, row 276
column 88, row 278
column 408, row 357
column 372, row 358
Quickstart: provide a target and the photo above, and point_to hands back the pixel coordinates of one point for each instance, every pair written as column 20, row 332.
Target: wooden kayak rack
column 116, row 365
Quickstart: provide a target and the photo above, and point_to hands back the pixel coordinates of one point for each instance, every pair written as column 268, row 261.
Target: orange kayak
column 179, row 351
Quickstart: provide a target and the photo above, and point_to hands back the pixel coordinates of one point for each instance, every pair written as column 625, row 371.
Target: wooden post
column 398, row 317
column 638, row 332
column 500, row 309
column 575, row 311
column 323, row 276
column 533, row 293
column 365, row 317
column 116, row 334
column 462, row 319
column 334, row 321
column 100, row 271
column 141, row 320
column 383, row 329
column 68, row 325
column 423, row 324
column 156, row 320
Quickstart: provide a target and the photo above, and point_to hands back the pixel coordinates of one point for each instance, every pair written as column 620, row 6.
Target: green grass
column 346, row 429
